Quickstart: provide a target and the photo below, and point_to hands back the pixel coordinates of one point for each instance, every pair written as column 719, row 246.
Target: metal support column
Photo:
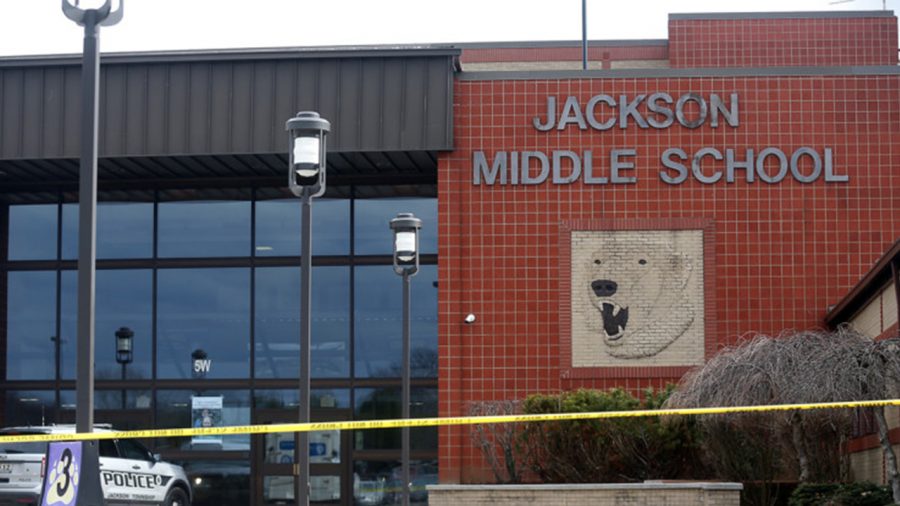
column 91, row 19
column 584, row 44
column 87, row 223
column 404, row 448
column 301, row 453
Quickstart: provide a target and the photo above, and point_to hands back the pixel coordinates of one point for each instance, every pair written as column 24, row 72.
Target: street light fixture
column 124, row 347
column 406, row 263
column 124, row 352
column 307, row 153
column 306, row 179
column 91, row 20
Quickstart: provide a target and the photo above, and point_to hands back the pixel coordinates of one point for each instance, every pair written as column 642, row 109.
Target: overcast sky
column 39, row 27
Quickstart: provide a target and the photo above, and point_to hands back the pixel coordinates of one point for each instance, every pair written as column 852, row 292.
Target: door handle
column 135, row 467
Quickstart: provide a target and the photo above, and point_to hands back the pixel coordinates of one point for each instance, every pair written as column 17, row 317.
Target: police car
column 129, row 473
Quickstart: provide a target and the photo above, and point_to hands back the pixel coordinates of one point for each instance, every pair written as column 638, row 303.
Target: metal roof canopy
column 217, row 117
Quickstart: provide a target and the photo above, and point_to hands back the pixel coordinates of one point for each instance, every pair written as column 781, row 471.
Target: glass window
column 377, row 482
column 70, row 231
column 278, row 322
column 32, row 232
column 68, row 324
column 278, row 227
column 31, row 407
column 328, row 398
column 130, row 449
column 377, row 404
column 123, row 298
column 278, row 489
column 175, row 410
column 31, row 326
column 108, row 448
column 384, row 403
column 110, row 400
column 422, row 473
column 204, row 229
column 378, row 316
column 372, row 217
column 203, row 309
column 124, row 230
column 423, row 404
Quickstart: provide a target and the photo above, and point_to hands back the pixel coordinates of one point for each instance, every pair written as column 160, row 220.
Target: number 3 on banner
column 61, row 486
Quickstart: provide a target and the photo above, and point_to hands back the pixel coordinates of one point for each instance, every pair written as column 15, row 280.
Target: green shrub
column 609, row 450
column 841, row 494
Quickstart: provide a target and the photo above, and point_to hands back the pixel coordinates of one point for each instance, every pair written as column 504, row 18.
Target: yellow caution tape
column 433, row 422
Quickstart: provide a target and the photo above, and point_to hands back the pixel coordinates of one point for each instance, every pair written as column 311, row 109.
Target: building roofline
column 539, row 44
column 781, row 15
column 206, row 55
column 537, row 75
column 879, row 276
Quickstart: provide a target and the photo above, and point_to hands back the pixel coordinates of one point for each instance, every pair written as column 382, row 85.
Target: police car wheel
column 176, row 497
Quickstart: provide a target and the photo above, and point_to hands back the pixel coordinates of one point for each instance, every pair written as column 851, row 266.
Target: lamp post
column 124, row 352
column 306, row 179
column 406, row 263
column 91, row 20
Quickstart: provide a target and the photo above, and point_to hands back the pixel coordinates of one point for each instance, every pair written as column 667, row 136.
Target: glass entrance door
column 274, row 459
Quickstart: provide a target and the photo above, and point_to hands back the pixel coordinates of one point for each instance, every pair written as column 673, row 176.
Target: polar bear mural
column 637, row 298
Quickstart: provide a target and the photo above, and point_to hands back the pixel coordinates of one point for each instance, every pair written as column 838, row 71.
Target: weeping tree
column 499, row 442
column 802, row 367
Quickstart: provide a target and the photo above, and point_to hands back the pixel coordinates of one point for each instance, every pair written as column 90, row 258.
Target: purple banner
column 62, row 474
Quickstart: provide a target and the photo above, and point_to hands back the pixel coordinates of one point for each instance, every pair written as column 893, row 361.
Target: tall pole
column 91, row 19
column 123, row 388
column 306, row 179
column 302, row 450
column 404, row 444
column 87, row 232
column 584, row 64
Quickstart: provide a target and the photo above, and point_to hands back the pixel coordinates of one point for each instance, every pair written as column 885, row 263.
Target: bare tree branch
column 801, row 367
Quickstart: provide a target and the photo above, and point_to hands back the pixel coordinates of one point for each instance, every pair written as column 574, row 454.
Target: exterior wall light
column 306, row 164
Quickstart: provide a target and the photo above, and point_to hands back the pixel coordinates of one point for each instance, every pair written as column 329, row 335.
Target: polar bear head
column 638, row 292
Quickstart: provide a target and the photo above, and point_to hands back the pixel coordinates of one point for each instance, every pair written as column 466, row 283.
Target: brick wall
column 867, row 39
column 778, row 254
column 600, row 56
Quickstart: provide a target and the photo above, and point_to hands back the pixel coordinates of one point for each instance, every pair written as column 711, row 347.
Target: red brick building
column 609, row 227
column 741, row 176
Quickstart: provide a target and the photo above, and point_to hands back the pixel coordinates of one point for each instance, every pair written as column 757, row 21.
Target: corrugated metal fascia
column 401, row 100
column 215, row 55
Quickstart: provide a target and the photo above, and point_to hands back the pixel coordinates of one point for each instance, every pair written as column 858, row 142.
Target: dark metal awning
column 216, row 118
